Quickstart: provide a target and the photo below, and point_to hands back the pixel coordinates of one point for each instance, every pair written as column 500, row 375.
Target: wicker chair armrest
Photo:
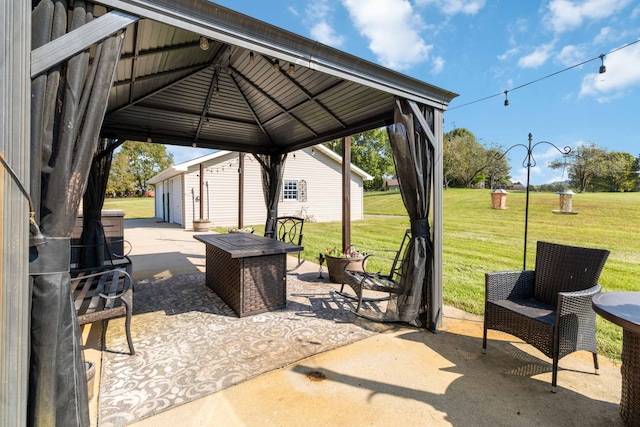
column 503, row 285
column 577, row 301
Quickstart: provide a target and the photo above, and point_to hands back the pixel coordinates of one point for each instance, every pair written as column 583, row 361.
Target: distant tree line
column 467, row 163
column 592, row 168
column 133, row 165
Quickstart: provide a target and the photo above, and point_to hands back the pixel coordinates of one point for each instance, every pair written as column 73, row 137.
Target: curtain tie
column 420, row 228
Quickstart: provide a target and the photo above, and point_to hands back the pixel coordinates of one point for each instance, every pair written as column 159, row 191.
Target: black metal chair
column 289, row 229
column 360, row 281
column 549, row 307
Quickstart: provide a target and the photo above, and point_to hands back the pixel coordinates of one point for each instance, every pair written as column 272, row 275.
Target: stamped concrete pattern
column 189, row 343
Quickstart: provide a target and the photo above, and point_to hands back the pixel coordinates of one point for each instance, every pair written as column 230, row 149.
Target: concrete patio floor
column 402, row 377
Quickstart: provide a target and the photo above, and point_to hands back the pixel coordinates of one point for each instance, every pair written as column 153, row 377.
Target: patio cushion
column 531, row 308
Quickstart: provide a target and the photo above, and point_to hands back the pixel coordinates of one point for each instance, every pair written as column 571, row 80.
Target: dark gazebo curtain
column 68, row 105
column 92, row 238
column 413, row 156
column 272, row 170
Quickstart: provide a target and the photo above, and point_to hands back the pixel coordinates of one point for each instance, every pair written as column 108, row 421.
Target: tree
column 144, row 160
column 371, row 152
column 498, row 169
column 120, row 182
column 618, row 172
column 467, row 163
column 592, row 168
column 583, row 164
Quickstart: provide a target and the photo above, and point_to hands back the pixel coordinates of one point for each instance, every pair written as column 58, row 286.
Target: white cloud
column 511, row 52
column 324, row 33
column 452, row 7
column 536, row 58
column 393, row 31
column 623, row 72
column 438, row 65
column 317, row 15
column 604, row 35
column 565, row 15
column 570, row 55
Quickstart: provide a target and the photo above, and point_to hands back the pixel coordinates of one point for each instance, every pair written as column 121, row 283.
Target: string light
column 602, row 70
column 251, row 59
column 506, row 98
column 276, row 65
column 292, row 70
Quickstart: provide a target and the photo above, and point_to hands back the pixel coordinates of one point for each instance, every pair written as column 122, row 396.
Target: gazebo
column 81, row 78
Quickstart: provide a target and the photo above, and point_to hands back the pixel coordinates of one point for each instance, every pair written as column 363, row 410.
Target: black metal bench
column 104, row 293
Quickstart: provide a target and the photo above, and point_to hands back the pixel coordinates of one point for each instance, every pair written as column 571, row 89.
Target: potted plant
column 248, row 230
column 201, row 224
column 337, row 261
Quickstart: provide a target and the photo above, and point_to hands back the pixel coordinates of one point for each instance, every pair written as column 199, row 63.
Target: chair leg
column 359, row 301
column 484, row 339
column 127, row 326
column 595, row 363
column 554, row 375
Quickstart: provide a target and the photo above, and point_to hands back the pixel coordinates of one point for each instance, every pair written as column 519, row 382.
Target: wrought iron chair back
column 289, row 230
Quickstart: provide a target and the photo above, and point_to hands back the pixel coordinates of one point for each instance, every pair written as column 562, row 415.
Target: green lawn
column 133, row 207
column 478, row 239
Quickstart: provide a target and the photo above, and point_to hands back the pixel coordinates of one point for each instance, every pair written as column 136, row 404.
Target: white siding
column 322, row 174
column 221, row 174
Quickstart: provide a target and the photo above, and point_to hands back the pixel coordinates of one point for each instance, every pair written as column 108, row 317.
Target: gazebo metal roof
column 257, row 88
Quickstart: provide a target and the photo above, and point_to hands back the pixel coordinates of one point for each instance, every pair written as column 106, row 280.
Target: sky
column 481, row 48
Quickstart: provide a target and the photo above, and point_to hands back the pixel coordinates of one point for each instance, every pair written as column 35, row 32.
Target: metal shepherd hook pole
column 529, row 162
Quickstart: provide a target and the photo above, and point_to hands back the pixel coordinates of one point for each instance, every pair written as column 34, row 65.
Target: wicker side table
column 623, row 309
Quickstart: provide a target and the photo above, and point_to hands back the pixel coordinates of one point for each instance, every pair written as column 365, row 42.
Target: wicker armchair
column 550, row 307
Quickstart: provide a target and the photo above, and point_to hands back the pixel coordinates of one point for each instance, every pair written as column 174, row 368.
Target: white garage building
column 312, row 188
